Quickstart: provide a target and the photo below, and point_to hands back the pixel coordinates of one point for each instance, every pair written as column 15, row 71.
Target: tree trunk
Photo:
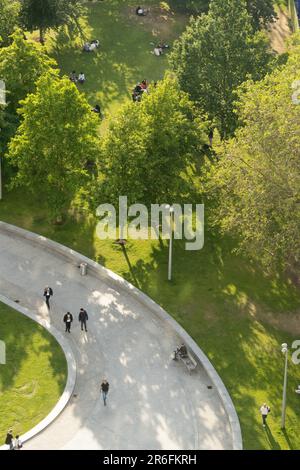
column 42, row 41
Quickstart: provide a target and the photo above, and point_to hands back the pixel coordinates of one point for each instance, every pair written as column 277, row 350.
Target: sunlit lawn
column 34, row 376
column 125, row 55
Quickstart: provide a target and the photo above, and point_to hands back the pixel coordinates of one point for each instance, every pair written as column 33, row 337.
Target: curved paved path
column 153, row 402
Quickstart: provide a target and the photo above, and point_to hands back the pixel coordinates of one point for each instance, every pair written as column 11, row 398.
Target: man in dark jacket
column 9, row 440
column 68, row 318
column 48, row 292
column 104, row 390
column 83, row 317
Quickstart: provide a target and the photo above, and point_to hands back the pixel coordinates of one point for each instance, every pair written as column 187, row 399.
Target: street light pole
column 284, row 350
column 171, row 243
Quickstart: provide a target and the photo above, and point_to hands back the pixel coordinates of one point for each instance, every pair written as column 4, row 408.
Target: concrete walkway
column 153, row 402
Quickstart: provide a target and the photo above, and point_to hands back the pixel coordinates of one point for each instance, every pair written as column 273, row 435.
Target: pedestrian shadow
column 274, row 445
column 291, row 447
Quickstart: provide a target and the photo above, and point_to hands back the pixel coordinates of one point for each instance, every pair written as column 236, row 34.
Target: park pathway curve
column 153, row 402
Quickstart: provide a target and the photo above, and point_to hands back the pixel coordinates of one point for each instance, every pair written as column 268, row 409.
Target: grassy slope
column 34, row 375
column 222, row 301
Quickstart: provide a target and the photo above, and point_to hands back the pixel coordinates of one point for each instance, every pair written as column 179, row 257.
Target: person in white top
column 17, row 443
column 264, row 411
column 81, row 78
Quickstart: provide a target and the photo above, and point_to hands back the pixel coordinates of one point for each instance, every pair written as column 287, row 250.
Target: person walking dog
column 68, row 318
column 48, row 292
column 104, row 390
column 83, row 317
column 264, row 411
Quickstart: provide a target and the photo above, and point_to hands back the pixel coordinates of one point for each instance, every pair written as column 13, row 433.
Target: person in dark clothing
column 68, row 318
column 104, row 390
column 83, row 317
column 9, row 440
column 48, row 292
column 181, row 351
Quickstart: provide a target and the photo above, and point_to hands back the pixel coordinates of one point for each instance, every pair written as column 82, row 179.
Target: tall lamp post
column 284, row 350
column 171, row 209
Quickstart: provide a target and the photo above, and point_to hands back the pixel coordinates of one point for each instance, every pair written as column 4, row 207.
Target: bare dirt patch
column 279, row 32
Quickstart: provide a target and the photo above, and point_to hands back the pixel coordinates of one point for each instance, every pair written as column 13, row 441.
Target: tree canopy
column 45, row 14
column 9, row 17
column 150, row 144
column 256, row 184
column 216, row 53
column 56, row 138
column 21, row 65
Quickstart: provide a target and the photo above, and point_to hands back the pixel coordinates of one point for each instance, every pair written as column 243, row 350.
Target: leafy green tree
column 150, row 145
column 56, row 138
column 46, row 14
column 215, row 54
column 21, row 64
column 261, row 11
column 8, row 19
column 256, row 183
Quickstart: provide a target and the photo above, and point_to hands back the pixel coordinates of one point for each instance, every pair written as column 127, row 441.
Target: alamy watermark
column 181, row 222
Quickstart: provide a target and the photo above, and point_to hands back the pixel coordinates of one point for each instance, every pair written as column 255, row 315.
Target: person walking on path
column 264, row 411
column 9, row 440
column 68, row 318
column 17, row 443
column 104, row 390
column 83, row 317
column 48, row 292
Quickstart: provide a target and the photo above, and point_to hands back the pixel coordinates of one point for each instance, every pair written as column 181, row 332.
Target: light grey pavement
column 153, row 402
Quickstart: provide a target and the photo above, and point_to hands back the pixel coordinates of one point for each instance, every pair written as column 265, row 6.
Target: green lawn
column 34, row 376
column 236, row 314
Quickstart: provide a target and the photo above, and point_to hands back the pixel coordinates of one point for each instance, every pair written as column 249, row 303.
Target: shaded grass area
column 226, row 303
column 125, row 55
column 34, row 376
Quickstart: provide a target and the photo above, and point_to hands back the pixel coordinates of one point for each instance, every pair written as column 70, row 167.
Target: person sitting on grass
column 91, row 46
column 159, row 48
column 97, row 110
column 144, row 85
column 73, row 77
column 81, row 78
column 87, row 47
column 140, row 11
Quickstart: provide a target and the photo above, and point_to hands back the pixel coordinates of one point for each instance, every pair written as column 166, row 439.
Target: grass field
column 125, row 55
column 34, row 376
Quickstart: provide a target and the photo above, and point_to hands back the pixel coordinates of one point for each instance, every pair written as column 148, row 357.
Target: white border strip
column 65, row 397
column 121, row 284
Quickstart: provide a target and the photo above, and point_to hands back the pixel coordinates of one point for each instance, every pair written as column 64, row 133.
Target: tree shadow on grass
column 123, row 58
column 209, row 297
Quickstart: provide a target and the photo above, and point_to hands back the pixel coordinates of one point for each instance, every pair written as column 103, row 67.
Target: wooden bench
column 188, row 361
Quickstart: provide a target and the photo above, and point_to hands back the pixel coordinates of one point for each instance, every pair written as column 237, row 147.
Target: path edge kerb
column 121, row 284
column 71, row 370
